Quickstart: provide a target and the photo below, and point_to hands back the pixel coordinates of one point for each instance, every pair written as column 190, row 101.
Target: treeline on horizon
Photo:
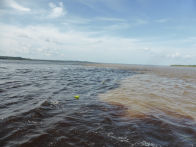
column 184, row 65
column 21, row 58
column 13, row 58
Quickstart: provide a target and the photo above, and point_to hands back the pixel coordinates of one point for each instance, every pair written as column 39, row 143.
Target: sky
column 155, row 32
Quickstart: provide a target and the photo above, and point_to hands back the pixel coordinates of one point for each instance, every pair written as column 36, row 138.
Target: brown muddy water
column 119, row 105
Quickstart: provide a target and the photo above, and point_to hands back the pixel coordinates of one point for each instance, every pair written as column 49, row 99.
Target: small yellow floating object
column 76, row 97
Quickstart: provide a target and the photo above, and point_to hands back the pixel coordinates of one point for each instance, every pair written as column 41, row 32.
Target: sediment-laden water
column 118, row 105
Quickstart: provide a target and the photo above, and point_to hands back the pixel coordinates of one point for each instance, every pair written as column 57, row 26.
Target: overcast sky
column 159, row 32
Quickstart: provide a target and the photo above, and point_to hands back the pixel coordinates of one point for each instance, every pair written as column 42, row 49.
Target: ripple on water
column 39, row 109
column 159, row 104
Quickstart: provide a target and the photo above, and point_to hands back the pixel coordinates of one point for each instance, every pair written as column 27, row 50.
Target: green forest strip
column 13, row 58
column 184, row 65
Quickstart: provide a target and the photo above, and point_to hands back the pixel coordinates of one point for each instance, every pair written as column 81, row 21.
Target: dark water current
column 38, row 109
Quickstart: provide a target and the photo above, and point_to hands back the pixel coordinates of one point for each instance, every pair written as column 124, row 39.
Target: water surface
column 119, row 105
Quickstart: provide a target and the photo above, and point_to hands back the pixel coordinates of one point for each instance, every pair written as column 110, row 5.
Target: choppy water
column 117, row 106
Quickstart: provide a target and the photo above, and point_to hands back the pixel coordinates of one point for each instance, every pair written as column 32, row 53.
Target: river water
column 119, row 105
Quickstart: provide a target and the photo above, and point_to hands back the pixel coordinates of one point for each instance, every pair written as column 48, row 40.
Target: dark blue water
column 38, row 107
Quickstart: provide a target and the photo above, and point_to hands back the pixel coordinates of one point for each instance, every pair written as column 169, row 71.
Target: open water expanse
column 118, row 106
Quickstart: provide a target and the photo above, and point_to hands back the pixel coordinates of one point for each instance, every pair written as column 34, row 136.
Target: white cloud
column 111, row 19
column 162, row 20
column 140, row 21
column 76, row 20
column 174, row 55
column 56, row 10
column 147, row 49
column 15, row 5
column 47, row 42
column 42, row 41
column 179, row 55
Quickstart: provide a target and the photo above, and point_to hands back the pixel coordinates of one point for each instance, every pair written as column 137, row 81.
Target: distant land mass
column 13, row 58
column 185, row 65
column 21, row 58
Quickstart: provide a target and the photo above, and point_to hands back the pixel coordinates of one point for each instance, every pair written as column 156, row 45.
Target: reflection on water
column 117, row 106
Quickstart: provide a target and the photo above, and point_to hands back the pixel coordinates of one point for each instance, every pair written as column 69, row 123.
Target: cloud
column 111, row 19
column 73, row 20
column 48, row 42
column 174, row 55
column 140, row 21
column 147, row 49
column 163, row 20
column 56, row 10
column 15, row 5
column 179, row 55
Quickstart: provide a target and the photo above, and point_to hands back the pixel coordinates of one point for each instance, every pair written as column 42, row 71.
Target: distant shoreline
column 86, row 62
column 13, row 58
column 184, row 65
column 21, row 59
